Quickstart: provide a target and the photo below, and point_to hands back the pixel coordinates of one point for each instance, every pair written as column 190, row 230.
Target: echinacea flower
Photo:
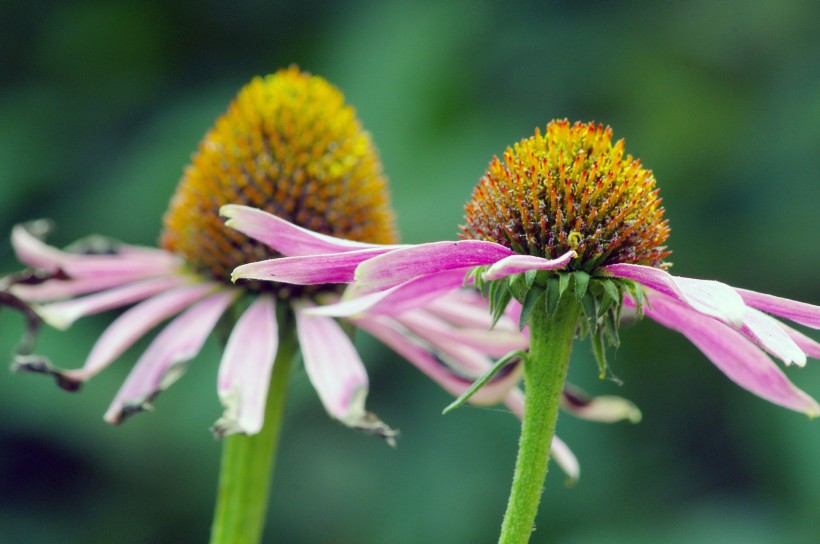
column 571, row 227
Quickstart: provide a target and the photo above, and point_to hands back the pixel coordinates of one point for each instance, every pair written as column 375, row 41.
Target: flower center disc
column 288, row 145
column 571, row 189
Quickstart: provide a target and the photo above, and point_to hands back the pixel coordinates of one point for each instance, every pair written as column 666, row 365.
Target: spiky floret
column 572, row 188
column 288, row 145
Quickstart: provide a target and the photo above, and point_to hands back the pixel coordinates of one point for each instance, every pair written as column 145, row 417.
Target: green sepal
column 479, row 383
column 530, row 276
column 553, row 296
column 581, row 283
column 534, row 296
column 499, row 301
column 599, row 350
column 563, row 281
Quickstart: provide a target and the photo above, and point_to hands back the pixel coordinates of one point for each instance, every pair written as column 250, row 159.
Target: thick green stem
column 544, row 374
column 248, row 461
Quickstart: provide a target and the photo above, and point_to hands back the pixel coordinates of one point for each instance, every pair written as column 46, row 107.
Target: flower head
column 288, row 144
column 568, row 214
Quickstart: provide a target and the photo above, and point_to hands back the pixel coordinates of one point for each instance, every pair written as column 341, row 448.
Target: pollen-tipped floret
column 571, row 189
column 288, row 145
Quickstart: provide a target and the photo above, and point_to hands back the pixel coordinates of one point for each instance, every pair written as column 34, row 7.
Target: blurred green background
column 102, row 103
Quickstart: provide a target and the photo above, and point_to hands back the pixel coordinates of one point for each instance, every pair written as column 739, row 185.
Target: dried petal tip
column 288, row 145
column 571, row 190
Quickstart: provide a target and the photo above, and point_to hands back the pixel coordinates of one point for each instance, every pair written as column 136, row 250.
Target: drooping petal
column 799, row 312
column 62, row 315
column 427, row 360
column 307, row 270
column 768, row 333
column 285, row 237
column 411, row 294
column 133, row 324
column 336, row 371
column 604, row 409
column 131, row 262
column 515, row 264
column 54, row 289
column 559, row 450
column 401, row 265
column 494, row 343
column 163, row 362
column 706, row 296
column 738, row 358
column 245, row 370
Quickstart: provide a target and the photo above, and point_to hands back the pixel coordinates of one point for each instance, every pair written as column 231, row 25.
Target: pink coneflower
column 572, row 228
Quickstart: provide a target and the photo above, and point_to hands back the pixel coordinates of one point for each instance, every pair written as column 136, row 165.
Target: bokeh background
column 102, row 103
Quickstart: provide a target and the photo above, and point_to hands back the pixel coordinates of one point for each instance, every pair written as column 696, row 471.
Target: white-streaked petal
column 603, row 409
column 134, row 323
column 799, row 312
column 62, row 315
column 768, row 333
column 515, row 264
column 706, row 296
column 807, row 345
column 336, row 371
column 737, row 357
column 285, row 237
column 164, row 360
column 54, row 289
column 245, row 370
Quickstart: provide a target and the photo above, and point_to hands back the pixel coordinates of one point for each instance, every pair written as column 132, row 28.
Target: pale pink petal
column 62, row 315
column 515, row 264
column 424, row 357
column 603, row 409
column 284, row 237
column 494, row 343
column 768, row 333
column 706, row 296
column 806, row 344
column 245, row 370
column 799, row 312
column 412, row 294
column 401, row 265
column 134, row 323
column 733, row 354
column 55, row 289
column 307, row 270
column 164, row 360
column 559, row 451
column 134, row 262
column 336, row 371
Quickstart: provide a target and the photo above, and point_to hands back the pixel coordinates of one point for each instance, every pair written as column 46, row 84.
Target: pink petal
column 768, row 333
column 494, row 343
column 245, row 370
column 134, row 262
column 424, row 357
column 59, row 289
column 62, row 315
column 336, row 371
column 412, row 294
column 401, row 265
column 515, row 264
column 733, row 354
column 163, row 362
column 706, row 296
column 799, row 312
column 307, row 270
column 284, row 237
column 134, row 323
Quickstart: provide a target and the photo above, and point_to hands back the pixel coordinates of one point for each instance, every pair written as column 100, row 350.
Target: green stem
column 545, row 371
column 248, row 461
